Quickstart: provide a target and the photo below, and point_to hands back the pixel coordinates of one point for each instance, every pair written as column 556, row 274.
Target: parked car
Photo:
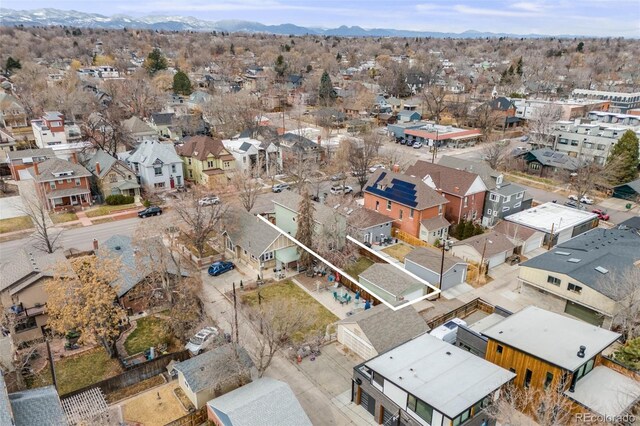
column 150, row 211
column 417, row 145
column 574, row 204
column 403, row 141
column 573, row 197
column 339, row 189
column 602, row 215
column 356, row 173
column 410, row 143
column 586, row 200
column 201, row 340
column 520, row 149
column 279, row 187
column 376, row 167
column 524, row 138
column 220, row 267
column 448, row 331
column 209, row 201
column 338, row 176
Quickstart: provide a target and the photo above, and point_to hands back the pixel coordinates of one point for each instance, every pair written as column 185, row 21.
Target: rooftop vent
column 581, row 351
column 117, row 248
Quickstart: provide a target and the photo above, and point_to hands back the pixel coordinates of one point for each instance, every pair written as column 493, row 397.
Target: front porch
column 68, row 199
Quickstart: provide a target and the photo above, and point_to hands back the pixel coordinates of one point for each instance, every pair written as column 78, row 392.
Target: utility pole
column 435, row 149
column 260, row 309
column 444, row 243
column 551, row 236
column 52, row 366
column 235, row 313
column 480, row 267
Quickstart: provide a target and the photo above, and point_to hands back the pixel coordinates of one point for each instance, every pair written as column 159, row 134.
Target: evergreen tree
column 469, row 230
column 459, row 230
column 304, row 233
column 12, row 64
column 629, row 354
column 580, row 47
column 155, row 61
column 326, row 94
column 280, row 66
column 519, row 67
column 623, row 159
column 181, row 84
column 232, row 49
column 338, row 57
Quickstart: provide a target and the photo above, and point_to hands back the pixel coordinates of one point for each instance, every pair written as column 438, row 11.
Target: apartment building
column 620, row 101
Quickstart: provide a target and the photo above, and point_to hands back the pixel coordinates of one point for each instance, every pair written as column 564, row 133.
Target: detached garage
column 493, row 248
column 525, row 239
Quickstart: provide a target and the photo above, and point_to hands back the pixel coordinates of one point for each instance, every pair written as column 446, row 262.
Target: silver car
column 201, row 340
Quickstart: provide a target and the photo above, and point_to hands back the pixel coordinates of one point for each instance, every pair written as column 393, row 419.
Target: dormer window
column 499, row 179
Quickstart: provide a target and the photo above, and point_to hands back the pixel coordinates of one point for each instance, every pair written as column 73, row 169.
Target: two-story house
column 20, row 161
column 156, row 164
column 61, row 184
column 426, row 382
column 206, row 161
column 13, row 122
column 256, row 156
column 574, row 275
column 465, row 191
column 407, row 200
column 112, row 176
column 553, row 353
column 138, row 129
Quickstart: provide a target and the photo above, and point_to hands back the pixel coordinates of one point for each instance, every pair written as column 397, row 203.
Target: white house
column 156, row 164
column 249, row 153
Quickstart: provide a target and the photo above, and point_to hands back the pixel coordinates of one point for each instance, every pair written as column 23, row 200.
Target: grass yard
column 106, row 209
column 15, row 224
column 149, row 331
column 80, row 370
column 289, row 291
column 398, row 251
column 359, row 266
column 148, row 410
column 63, row 217
column 188, row 243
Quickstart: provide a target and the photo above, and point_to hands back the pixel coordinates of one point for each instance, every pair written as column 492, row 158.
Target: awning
column 287, row 255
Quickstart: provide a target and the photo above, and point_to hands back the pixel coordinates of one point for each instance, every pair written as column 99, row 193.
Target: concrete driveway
column 11, row 207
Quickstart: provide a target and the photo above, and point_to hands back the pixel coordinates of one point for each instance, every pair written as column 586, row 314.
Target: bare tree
column 362, row 156
column 298, row 168
column 585, row 178
column 105, row 131
column 435, row 99
column 247, row 187
column 395, row 156
column 46, row 236
column 199, row 221
column 486, row 119
column 541, row 123
column 624, row 289
column 494, row 154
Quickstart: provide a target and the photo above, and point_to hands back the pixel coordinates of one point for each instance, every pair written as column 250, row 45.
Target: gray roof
column 499, row 243
column 390, row 279
column 162, row 118
column 436, row 222
column 149, row 151
column 508, row 188
column 386, row 328
column 106, row 162
column 26, row 153
column 6, row 416
column 634, row 184
column 551, row 158
column 364, row 218
column 431, row 259
column 552, row 337
column 136, row 265
column 216, row 366
column 323, row 214
column 40, row 406
column 68, row 192
column 250, row 233
column 481, row 168
column 28, row 265
column 444, row 376
column 48, row 167
column 135, row 125
column 615, row 250
column 264, row 401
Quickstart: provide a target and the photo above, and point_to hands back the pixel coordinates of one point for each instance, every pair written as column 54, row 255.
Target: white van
column 448, row 331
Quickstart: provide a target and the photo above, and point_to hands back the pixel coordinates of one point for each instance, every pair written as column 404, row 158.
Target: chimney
column 74, row 158
column 581, row 351
column 97, row 168
column 35, row 168
column 319, row 140
column 95, row 245
column 396, row 168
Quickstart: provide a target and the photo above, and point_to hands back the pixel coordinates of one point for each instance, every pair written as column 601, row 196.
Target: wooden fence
column 463, row 311
column 409, row 239
column 195, row 418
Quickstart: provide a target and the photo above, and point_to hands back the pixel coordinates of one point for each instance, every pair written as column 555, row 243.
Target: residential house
column 426, row 263
column 506, row 110
column 162, row 122
column 61, row 184
column 250, row 241
column 198, row 100
column 7, row 143
column 20, row 161
column 368, row 226
column 405, row 199
column 490, row 248
column 259, row 156
column 525, row 239
column 384, row 280
column 112, row 176
column 434, row 229
column 39, row 406
column 465, row 191
column 206, row 161
column 264, row 401
column 558, row 223
column 575, row 275
column 52, row 129
column 13, row 119
column 628, row 191
column 156, row 164
column 545, row 162
column 138, row 129
column 555, row 352
column 214, row 373
column 294, row 147
column 379, row 329
column 427, row 381
column 22, row 279
column 140, row 262
column 409, row 114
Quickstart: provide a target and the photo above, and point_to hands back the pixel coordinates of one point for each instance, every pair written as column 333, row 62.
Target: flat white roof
column 551, row 337
column 606, row 392
column 548, row 215
column 444, row 376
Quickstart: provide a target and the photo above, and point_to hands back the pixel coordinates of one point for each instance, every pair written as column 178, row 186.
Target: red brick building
column 20, row 161
column 403, row 198
column 61, row 184
column 465, row 191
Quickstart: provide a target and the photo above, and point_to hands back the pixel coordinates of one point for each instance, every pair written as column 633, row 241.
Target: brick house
column 20, row 161
column 61, row 184
column 465, row 191
column 406, row 199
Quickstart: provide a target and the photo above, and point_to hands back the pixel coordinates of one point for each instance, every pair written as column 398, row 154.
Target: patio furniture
column 348, row 299
column 335, row 296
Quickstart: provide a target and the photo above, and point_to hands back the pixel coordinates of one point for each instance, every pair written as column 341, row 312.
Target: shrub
column 119, row 199
column 146, row 203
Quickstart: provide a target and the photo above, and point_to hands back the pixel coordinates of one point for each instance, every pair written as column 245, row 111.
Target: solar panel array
column 399, row 191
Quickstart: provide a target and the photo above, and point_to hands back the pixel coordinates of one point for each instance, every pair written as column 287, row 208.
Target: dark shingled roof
column 450, row 180
column 201, row 147
column 406, row 190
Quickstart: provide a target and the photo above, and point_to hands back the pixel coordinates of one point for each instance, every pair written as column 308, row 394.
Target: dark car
column 220, row 267
column 150, row 211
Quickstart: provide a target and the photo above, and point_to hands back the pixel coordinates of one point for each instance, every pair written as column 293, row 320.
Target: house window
column 69, row 180
column 493, row 197
column 60, row 181
column 113, row 178
column 499, row 349
column 52, row 185
column 210, row 164
column 26, row 324
column 77, row 182
column 244, row 160
column 377, row 205
column 516, row 205
column 462, row 418
column 507, row 199
column 189, row 161
column 388, row 204
column 553, row 280
column 527, row 378
column 401, row 214
column 506, row 209
column 190, row 174
column 266, row 256
column 574, row 288
column 229, row 244
column 158, row 185
column 488, row 212
column 173, row 168
column 548, row 380
column 465, row 201
column 420, row 408
column 534, row 166
column 474, row 215
column 226, row 164
column 519, row 195
column 495, row 213
column 411, row 213
column 377, row 378
column 157, row 170
column 440, row 210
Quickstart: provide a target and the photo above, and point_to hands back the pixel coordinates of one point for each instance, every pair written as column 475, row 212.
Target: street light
column 484, row 248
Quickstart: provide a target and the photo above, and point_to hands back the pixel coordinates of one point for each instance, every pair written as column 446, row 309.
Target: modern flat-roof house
column 426, row 263
column 620, row 101
column 555, row 352
column 559, row 223
column 491, row 248
column 255, row 156
column 427, row 381
column 575, row 274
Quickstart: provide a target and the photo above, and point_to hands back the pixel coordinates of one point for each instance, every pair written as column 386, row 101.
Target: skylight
column 574, row 260
column 601, row 270
column 563, row 253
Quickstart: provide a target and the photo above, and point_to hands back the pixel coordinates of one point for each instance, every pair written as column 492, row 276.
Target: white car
column 573, row 197
column 279, row 187
column 376, row 167
column 417, row 145
column 209, row 201
column 339, row 189
column 586, row 200
column 448, row 331
column 201, row 340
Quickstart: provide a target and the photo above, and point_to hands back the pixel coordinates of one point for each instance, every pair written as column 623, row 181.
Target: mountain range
column 72, row 18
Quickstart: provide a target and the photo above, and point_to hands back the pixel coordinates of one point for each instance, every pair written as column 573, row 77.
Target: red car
column 602, row 215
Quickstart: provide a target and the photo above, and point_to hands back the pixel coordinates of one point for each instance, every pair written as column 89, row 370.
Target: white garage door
column 564, row 236
column 24, row 174
column 497, row 259
column 355, row 343
column 532, row 244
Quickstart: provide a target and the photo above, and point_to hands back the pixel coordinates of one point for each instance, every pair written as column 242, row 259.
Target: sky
column 553, row 17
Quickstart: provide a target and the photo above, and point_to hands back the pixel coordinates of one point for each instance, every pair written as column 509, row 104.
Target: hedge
column 119, row 199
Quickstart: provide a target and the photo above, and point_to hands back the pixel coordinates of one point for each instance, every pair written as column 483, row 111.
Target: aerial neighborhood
column 237, row 224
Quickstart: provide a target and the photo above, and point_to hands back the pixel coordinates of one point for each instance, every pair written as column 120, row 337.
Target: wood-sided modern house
column 206, row 161
column 112, row 176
